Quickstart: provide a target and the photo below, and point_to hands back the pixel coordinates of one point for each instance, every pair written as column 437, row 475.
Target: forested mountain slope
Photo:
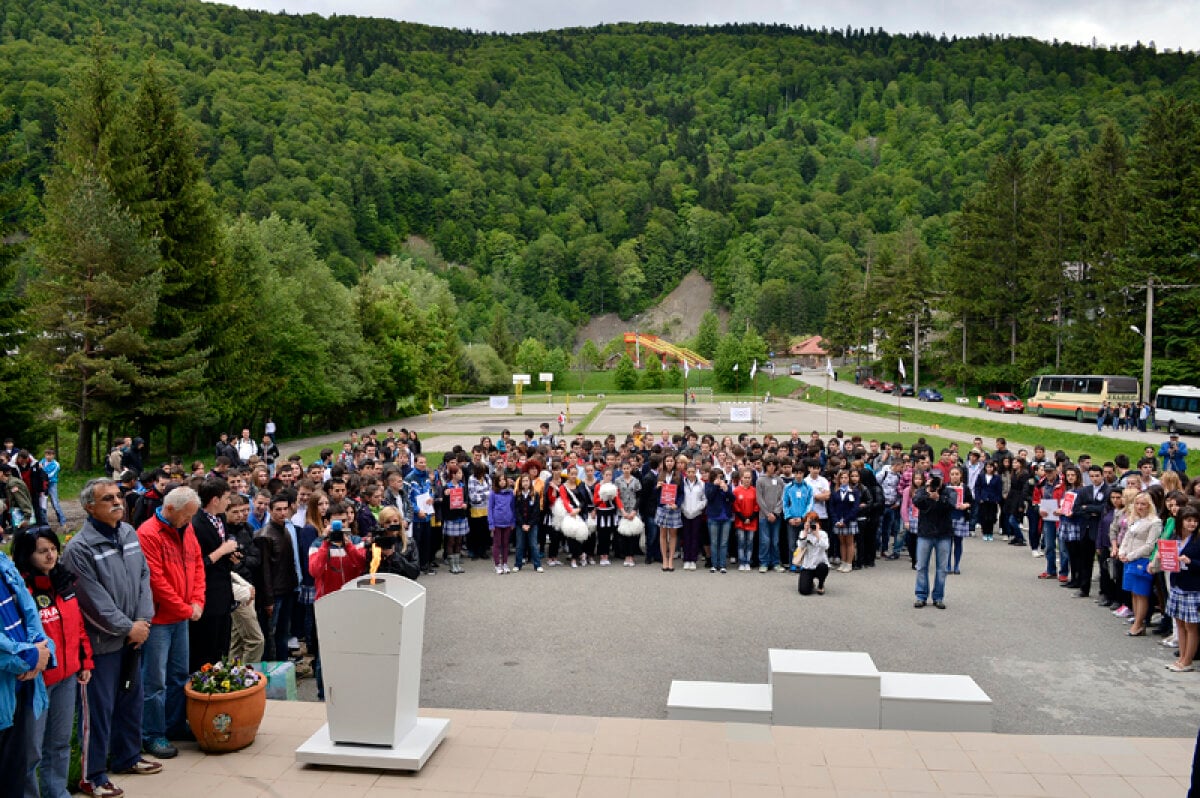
column 593, row 167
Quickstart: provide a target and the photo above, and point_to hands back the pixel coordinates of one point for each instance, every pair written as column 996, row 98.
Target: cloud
column 1168, row 24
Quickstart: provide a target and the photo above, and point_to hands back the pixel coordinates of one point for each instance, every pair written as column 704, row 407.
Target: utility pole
column 1147, row 339
column 917, row 351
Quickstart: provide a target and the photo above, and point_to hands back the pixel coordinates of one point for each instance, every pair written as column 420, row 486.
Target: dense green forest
column 269, row 182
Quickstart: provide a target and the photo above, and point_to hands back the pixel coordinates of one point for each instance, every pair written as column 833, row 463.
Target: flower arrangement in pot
column 225, row 705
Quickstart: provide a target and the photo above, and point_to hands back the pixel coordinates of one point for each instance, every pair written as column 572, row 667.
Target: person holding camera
column 935, row 534
column 335, row 557
column 398, row 551
column 812, row 556
column 1173, row 453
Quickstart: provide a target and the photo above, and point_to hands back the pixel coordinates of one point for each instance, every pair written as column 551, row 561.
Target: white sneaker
column 1037, row 554
column 539, row 569
column 1170, row 642
column 779, row 569
column 506, row 569
column 762, row 569
column 604, row 563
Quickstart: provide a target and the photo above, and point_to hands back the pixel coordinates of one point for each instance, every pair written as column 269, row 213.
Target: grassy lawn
column 1101, row 448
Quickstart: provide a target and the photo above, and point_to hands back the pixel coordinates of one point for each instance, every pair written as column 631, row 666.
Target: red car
column 871, row 384
column 1003, row 403
column 886, row 387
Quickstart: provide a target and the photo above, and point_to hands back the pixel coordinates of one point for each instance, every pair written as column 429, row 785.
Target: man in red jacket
column 177, row 584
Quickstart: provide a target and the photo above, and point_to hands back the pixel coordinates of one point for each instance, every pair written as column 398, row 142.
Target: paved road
column 609, row 641
column 817, row 378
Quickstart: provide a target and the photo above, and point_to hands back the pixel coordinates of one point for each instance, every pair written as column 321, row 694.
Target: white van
column 1177, row 408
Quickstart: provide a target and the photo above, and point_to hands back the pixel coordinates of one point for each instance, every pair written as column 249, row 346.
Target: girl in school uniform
column 960, row 517
column 909, row 513
column 844, row 503
column 989, row 492
column 668, row 516
column 527, row 507
column 455, row 516
column 1184, row 602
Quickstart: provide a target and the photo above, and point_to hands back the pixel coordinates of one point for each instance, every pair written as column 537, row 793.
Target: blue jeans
column 652, row 549
column 115, row 716
column 745, row 546
column 956, row 555
column 1051, row 543
column 164, row 673
column 527, row 542
column 924, row 547
column 52, row 500
column 768, row 541
column 49, row 746
column 793, row 534
column 889, row 526
column 718, row 534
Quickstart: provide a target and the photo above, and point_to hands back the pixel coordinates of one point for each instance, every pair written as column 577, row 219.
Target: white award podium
column 371, row 633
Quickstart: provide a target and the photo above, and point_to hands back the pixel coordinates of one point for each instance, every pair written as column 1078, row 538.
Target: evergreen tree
column 1164, row 232
column 708, row 336
column 22, row 375
column 95, row 300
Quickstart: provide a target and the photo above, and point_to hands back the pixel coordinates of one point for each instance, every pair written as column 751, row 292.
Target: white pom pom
column 631, row 527
column 608, row 491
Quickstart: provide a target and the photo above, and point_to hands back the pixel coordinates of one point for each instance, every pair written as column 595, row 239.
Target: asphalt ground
column 608, row 641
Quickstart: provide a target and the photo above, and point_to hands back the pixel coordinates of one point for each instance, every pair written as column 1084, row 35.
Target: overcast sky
column 1174, row 25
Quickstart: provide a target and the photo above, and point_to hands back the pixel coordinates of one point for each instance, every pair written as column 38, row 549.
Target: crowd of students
column 227, row 562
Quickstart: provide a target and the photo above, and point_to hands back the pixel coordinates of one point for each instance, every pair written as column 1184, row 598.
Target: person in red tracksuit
column 53, row 589
column 335, row 558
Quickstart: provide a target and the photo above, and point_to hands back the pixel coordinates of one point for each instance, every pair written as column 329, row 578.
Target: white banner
column 546, row 376
column 741, row 414
column 522, row 379
column 498, row 402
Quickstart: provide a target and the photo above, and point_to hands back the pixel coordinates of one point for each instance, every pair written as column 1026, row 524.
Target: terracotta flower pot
column 229, row 721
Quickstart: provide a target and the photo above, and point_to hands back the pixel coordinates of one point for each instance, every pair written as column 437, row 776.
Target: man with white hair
column 113, row 589
column 177, row 584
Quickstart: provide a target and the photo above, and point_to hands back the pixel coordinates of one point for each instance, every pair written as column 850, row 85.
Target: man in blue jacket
column 1173, row 454
column 24, row 654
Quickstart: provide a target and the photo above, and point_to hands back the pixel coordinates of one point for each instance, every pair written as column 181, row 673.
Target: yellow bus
column 1078, row 396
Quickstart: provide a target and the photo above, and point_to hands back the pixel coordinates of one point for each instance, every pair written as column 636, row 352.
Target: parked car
column 871, row 384
column 904, row 389
column 929, row 395
column 1003, row 403
column 769, row 367
column 796, row 369
column 886, row 387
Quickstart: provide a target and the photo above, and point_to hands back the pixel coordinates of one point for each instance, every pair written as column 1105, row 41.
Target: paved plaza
column 608, row 641
column 568, row 756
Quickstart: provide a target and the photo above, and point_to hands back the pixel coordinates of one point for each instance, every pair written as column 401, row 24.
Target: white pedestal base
column 823, row 689
column 933, row 702
column 719, row 701
column 411, row 753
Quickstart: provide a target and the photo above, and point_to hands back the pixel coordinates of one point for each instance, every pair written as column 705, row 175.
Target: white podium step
column 824, row 689
column 724, row 702
column 933, row 702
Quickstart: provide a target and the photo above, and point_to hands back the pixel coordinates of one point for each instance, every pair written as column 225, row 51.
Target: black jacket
column 1091, row 503
column 403, row 563
column 648, row 495
column 933, row 520
column 528, row 510
column 218, row 585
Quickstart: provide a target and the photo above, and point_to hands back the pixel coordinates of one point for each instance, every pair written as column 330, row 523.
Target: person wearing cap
column 1173, row 453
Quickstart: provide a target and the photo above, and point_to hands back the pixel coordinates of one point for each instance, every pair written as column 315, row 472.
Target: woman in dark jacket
column 398, row 551
column 989, row 492
column 1013, row 508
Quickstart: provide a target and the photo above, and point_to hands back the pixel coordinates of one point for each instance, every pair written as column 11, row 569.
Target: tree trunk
column 83, row 446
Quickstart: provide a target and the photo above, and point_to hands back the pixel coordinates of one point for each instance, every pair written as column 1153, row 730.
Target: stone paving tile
column 489, row 754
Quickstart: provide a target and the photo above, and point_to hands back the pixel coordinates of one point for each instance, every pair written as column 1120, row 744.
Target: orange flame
column 376, row 558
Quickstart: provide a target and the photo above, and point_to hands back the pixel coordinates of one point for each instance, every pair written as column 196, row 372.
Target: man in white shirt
column 245, row 447
column 820, row 491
